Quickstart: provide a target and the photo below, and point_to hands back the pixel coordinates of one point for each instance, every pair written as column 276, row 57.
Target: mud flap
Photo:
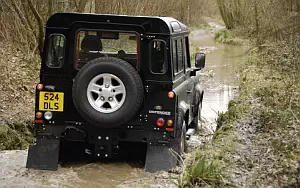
column 160, row 158
column 44, row 155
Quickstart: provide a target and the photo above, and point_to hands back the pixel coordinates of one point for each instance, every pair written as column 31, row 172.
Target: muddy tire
column 197, row 123
column 107, row 92
column 183, row 143
column 179, row 144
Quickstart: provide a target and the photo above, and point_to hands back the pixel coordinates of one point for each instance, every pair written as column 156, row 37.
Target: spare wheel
column 108, row 92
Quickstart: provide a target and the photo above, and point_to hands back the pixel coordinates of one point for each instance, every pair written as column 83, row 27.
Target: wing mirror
column 200, row 60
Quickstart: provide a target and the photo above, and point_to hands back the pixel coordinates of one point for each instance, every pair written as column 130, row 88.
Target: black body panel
column 174, row 78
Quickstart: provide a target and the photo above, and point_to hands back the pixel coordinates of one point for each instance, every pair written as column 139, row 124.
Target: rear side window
column 174, row 55
column 56, row 51
column 178, row 57
column 186, row 53
column 158, row 57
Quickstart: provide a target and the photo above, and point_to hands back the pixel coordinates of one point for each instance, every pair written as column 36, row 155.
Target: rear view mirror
column 200, row 60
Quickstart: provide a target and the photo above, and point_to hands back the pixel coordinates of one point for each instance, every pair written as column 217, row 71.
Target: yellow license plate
column 51, row 101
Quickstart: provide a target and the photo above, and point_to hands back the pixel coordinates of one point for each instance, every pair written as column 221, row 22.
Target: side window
column 158, row 57
column 187, row 53
column 177, row 54
column 174, row 55
column 185, row 57
column 180, row 55
column 56, row 51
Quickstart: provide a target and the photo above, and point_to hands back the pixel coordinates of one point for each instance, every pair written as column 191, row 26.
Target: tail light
column 39, row 115
column 160, row 122
column 40, row 87
column 171, row 94
column 169, row 123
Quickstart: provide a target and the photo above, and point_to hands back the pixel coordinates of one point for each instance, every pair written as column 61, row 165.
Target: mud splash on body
column 222, row 63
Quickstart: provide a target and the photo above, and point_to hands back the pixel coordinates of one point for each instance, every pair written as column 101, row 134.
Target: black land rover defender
column 107, row 80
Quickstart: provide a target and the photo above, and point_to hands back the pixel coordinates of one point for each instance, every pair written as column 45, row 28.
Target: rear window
column 56, row 51
column 95, row 44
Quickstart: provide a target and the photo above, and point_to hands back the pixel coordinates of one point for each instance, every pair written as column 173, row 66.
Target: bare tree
column 40, row 25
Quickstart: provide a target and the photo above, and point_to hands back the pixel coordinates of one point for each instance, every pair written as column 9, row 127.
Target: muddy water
column 222, row 63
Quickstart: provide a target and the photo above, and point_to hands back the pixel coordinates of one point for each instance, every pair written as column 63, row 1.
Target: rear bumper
column 93, row 135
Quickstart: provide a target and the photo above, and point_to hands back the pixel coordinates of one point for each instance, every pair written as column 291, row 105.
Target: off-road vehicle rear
column 109, row 81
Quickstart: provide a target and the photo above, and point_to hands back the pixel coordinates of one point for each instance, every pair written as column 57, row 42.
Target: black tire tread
column 130, row 70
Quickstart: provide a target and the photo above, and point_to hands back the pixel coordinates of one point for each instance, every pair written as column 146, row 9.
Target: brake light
column 40, row 87
column 171, row 94
column 160, row 122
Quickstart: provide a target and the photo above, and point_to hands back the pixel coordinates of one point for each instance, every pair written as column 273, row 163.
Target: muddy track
column 220, row 89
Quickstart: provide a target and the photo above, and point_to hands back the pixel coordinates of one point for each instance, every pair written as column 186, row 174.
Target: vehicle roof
column 151, row 24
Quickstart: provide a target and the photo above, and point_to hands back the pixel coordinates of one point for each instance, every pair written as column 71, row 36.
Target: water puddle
column 222, row 62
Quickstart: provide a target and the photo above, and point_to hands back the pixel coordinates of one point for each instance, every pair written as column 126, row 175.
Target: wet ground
column 222, row 63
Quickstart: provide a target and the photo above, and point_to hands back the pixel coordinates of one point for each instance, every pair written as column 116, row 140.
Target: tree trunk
column 81, row 5
column 50, row 8
column 29, row 21
column 40, row 25
column 189, row 12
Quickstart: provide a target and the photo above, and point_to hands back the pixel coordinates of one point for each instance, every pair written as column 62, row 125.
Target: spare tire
column 108, row 92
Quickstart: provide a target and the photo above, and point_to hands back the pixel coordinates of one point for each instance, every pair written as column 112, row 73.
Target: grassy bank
column 226, row 36
column 18, row 77
column 16, row 136
column 257, row 143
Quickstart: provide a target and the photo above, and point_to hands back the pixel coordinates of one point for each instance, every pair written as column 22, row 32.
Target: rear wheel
column 179, row 144
column 183, row 143
column 197, row 123
column 197, row 120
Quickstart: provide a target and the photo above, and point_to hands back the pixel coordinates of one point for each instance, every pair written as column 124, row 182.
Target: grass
column 200, row 26
column 228, row 37
column 209, row 165
column 203, row 172
column 236, row 110
column 19, row 76
column 269, row 105
column 16, row 136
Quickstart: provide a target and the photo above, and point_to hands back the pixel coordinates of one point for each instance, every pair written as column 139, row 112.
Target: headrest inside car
column 91, row 43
